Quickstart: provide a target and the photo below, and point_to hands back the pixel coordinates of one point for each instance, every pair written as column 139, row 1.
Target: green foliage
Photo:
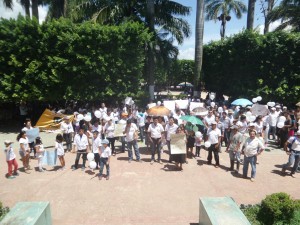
column 62, row 60
column 249, row 64
column 278, row 207
column 3, row 211
column 181, row 71
column 252, row 214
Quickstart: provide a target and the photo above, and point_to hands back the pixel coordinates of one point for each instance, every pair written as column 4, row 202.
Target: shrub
column 277, row 208
column 3, row 211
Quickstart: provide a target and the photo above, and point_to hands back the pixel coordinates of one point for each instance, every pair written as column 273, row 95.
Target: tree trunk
column 26, row 5
column 150, row 65
column 65, row 8
column 250, row 15
column 35, row 10
column 267, row 19
column 198, row 46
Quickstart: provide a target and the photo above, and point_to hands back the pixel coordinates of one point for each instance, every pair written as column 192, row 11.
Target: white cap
column 8, row 142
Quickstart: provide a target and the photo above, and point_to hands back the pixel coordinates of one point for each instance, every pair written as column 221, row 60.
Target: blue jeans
column 155, row 147
column 293, row 158
column 135, row 146
column 103, row 162
column 142, row 133
column 272, row 131
column 252, row 160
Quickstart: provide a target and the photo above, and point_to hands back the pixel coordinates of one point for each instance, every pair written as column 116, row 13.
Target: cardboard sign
column 177, row 143
column 259, row 110
column 32, row 134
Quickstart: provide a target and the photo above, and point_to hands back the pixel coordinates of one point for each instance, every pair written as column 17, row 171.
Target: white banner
column 177, row 143
column 182, row 104
column 194, row 105
column 259, row 110
column 170, row 105
column 32, row 134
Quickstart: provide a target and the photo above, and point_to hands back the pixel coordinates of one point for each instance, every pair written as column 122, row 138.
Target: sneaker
column 11, row 177
column 107, row 178
column 216, row 166
column 129, row 161
column 293, row 175
column 252, row 179
column 74, row 168
column 152, row 161
column 159, row 161
column 41, row 170
column 16, row 173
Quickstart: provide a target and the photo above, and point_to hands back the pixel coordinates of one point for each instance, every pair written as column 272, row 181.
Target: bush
column 277, row 208
column 3, row 211
column 251, row 214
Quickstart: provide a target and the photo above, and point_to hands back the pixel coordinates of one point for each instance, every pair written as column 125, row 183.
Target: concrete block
column 220, row 211
column 29, row 213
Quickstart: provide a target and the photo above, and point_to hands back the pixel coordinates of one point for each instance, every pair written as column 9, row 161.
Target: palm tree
column 225, row 7
column 289, row 13
column 8, row 4
column 198, row 43
column 250, row 14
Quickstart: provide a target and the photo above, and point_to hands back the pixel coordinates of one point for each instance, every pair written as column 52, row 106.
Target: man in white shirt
column 251, row 149
column 293, row 152
column 82, row 145
column 68, row 131
column 96, row 144
column 131, row 132
column 214, row 137
column 272, row 120
column 171, row 128
column 155, row 132
column 242, row 124
column 209, row 119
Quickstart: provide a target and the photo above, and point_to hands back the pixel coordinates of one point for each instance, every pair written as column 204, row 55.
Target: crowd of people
column 243, row 136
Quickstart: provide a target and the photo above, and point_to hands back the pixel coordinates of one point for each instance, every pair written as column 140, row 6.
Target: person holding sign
column 155, row 132
column 131, row 132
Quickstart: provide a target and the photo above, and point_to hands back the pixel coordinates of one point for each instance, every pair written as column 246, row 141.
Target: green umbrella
column 192, row 119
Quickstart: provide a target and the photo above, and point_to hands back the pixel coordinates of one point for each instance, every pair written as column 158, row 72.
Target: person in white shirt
column 109, row 129
column 251, row 149
column 11, row 160
column 209, row 119
column 171, row 128
column 293, row 152
column 242, row 124
column 214, row 137
column 155, row 132
column 24, row 150
column 27, row 127
column 96, row 144
column 40, row 151
column 103, row 110
column 105, row 154
column 82, row 145
column 67, row 129
column 131, row 132
column 60, row 151
column 141, row 125
column 272, row 120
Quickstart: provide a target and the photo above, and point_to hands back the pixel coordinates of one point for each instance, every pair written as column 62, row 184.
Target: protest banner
column 50, row 158
column 194, row 105
column 182, row 104
column 177, row 143
column 119, row 128
column 170, row 105
column 32, row 134
column 50, row 120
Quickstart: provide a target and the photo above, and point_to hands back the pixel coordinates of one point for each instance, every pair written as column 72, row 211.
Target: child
column 60, row 151
column 198, row 140
column 11, row 160
column 39, row 153
column 105, row 154
column 24, row 150
column 96, row 147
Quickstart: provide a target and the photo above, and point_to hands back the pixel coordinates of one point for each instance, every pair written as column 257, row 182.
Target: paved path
column 140, row 193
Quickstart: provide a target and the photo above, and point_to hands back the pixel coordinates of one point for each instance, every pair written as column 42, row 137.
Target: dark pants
column 142, row 133
column 272, row 131
column 198, row 150
column 112, row 144
column 103, row 161
column 213, row 149
column 155, row 146
column 68, row 140
column 79, row 153
column 97, row 159
column 226, row 136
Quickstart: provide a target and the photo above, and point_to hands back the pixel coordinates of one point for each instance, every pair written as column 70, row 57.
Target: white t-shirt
column 259, row 127
column 66, row 128
column 296, row 144
column 130, row 132
column 226, row 122
column 209, row 120
column 171, row 130
column 109, row 130
column 155, row 131
column 242, row 126
column 272, row 119
column 198, row 140
column 10, row 155
column 96, row 145
column 24, row 141
column 213, row 135
column 97, row 128
column 105, row 152
column 81, row 142
column 59, row 148
column 42, row 151
column 251, row 146
column 141, row 120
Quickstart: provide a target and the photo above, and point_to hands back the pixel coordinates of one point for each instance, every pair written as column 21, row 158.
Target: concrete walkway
column 140, row 193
